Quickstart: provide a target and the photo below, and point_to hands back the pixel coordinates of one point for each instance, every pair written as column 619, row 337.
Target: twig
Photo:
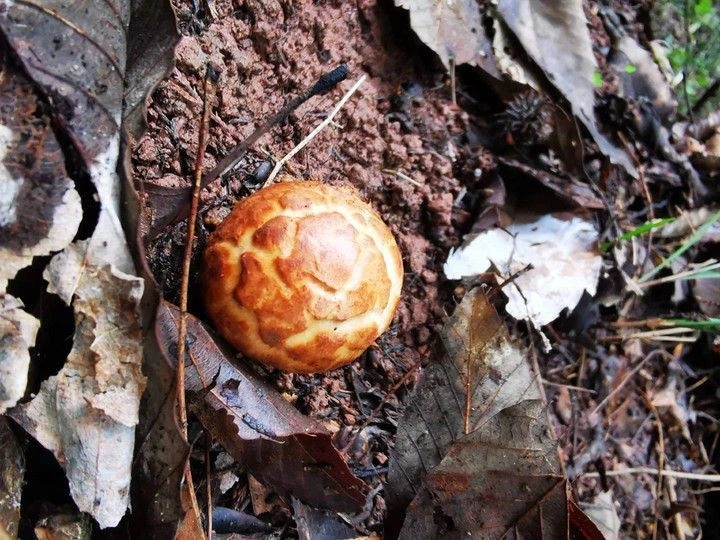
column 208, row 484
column 315, row 131
column 568, row 386
column 669, row 473
column 403, row 176
column 177, row 197
column 653, row 354
column 187, row 254
column 209, row 91
column 324, row 84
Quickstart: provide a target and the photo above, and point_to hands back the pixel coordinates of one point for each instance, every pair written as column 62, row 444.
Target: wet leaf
column 227, row 520
column 454, row 30
column 278, row 445
column 12, row 465
column 555, row 36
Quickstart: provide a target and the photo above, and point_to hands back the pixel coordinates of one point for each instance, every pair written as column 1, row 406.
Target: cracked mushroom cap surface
column 302, row 276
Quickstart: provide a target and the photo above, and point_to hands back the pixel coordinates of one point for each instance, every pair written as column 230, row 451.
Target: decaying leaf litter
column 441, row 151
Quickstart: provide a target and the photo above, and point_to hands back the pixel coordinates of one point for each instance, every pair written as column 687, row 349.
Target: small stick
column 209, row 91
column 315, row 131
column 208, row 485
column 668, row 473
column 323, row 85
column 187, row 255
column 653, row 354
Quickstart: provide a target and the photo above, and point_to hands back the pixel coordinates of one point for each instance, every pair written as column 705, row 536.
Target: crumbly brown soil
column 409, row 150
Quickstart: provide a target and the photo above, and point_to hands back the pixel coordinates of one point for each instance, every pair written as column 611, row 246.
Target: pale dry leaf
column 86, row 414
column 603, row 513
column 12, row 467
column 18, row 330
column 507, row 63
column 563, row 254
column 40, row 212
column 555, row 35
column 453, row 29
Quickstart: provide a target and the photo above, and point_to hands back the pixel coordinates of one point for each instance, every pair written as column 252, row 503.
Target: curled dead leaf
column 277, row 444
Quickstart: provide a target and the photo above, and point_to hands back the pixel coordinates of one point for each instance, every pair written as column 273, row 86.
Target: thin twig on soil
column 209, row 91
column 403, row 176
column 208, row 484
column 701, row 477
column 653, row 354
column 315, row 131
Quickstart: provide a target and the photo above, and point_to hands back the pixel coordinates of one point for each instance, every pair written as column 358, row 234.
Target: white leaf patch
column 562, row 252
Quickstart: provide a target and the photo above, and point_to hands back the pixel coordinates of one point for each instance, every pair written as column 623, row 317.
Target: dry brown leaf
column 453, row 29
column 474, row 454
column 277, row 444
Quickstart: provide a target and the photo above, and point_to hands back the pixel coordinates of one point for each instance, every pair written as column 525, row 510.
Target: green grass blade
column 642, row 229
column 690, row 242
column 707, row 325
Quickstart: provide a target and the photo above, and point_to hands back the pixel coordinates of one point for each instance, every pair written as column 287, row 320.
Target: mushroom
column 302, row 276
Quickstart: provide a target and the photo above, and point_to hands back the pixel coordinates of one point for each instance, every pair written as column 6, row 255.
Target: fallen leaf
column 279, row 446
column 228, row 520
column 474, row 454
column 453, row 29
column 18, row 330
column 39, row 207
column 313, row 524
column 476, row 344
column 12, row 465
column 77, row 58
column 603, row 513
column 569, row 190
column 86, row 414
column 556, row 37
column 40, row 212
column 563, row 254
column 504, row 479
column 64, row 527
column 645, row 80
column 161, row 451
